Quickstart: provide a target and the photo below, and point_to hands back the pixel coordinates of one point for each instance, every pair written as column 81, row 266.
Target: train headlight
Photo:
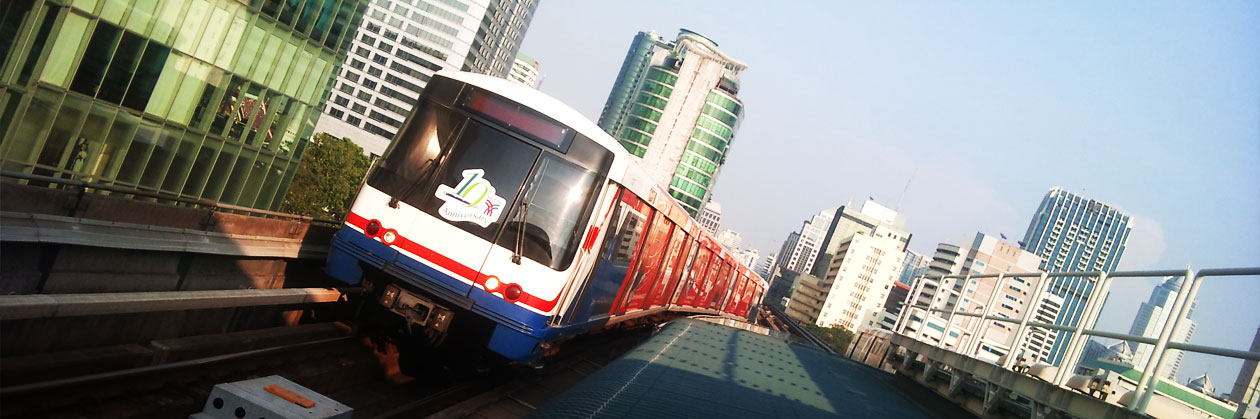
column 389, row 236
column 512, row 292
column 492, row 283
column 373, row 227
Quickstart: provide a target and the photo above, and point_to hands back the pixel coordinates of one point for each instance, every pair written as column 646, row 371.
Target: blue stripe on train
column 518, row 331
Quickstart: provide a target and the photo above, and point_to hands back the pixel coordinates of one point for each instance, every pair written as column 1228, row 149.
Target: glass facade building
column 206, row 99
column 1073, row 233
column 674, row 106
column 401, row 43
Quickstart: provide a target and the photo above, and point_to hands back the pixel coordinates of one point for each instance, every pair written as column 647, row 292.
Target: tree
column 837, row 338
column 327, row 178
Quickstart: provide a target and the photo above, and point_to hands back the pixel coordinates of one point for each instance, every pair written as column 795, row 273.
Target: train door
column 626, row 230
column 694, row 281
column 647, row 265
column 733, row 302
column 669, row 271
column 721, row 286
column 679, row 282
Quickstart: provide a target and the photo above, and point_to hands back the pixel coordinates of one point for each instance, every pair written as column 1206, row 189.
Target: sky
column 962, row 115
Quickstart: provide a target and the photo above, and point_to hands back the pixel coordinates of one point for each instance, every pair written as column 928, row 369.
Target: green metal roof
column 697, row 369
column 1193, row 398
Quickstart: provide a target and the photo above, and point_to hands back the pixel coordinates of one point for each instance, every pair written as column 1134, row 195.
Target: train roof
column 542, row 102
column 629, row 174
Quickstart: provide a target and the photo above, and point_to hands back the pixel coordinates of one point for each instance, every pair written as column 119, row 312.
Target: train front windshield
column 480, row 175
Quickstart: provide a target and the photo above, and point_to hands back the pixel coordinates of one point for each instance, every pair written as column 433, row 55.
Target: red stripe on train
column 453, row 266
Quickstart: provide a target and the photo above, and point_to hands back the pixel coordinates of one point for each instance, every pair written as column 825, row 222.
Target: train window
column 590, row 154
column 555, row 207
column 648, row 265
column 482, row 177
column 414, row 154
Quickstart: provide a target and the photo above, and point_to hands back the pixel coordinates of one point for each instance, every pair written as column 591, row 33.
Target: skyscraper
column 674, row 107
column 858, row 282
column 916, row 265
column 989, row 340
column 1151, row 317
column 207, row 99
column 399, row 46
column 711, row 217
column 526, row 71
column 1073, row 233
column 848, row 221
column 800, row 256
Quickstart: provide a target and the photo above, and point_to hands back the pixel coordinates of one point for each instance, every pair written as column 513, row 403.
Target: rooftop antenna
column 907, row 188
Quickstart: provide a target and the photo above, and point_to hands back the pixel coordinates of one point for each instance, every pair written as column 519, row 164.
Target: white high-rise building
column 710, row 218
column 988, row 340
column 801, row 256
column 526, row 71
column 866, row 267
column 847, row 221
column 766, row 267
column 1151, row 318
column 730, row 239
column 398, row 47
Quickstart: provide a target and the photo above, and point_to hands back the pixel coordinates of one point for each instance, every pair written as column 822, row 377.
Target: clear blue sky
column 982, row 107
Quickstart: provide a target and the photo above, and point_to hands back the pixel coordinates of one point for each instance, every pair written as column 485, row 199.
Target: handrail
column 1092, row 309
column 212, row 205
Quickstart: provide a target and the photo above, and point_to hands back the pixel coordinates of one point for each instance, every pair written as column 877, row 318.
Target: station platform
column 693, row 368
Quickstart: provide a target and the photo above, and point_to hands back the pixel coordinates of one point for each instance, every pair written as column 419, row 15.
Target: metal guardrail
column 44, row 306
column 1154, row 366
column 208, row 204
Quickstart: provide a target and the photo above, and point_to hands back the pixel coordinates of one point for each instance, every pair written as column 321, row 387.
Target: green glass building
column 209, row 99
column 674, row 106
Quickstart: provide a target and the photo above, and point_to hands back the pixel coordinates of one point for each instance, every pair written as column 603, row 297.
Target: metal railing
column 204, row 203
column 1101, row 284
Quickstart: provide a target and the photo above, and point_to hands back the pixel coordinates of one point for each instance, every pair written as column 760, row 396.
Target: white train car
column 499, row 202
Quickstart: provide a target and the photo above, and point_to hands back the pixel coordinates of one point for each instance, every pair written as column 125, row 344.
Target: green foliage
column 327, row 178
column 837, row 338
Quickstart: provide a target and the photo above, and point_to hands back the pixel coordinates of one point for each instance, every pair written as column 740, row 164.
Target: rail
column 1101, row 284
column 800, row 330
column 204, row 203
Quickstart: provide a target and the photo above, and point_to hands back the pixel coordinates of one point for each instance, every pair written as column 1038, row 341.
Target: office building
column 1010, row 299
column 785, row 251
column 848, row 221
column 1073, row 233
column 1151, row 318
column 1246, row 390
column 856, row 288
column 711, row 218
column 801, row 255
column 674, row 106
column 526, row 71
column 766, row 267
column 897, row 296
column 916, row 265
column 212, row 100
column 401, row 43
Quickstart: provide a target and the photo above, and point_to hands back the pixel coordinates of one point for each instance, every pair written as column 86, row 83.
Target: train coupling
column 416, row 309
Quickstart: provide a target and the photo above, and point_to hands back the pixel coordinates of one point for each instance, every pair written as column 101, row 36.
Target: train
column 499, row 202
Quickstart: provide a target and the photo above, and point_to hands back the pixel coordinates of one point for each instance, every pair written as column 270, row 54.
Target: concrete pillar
column 993, row 397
